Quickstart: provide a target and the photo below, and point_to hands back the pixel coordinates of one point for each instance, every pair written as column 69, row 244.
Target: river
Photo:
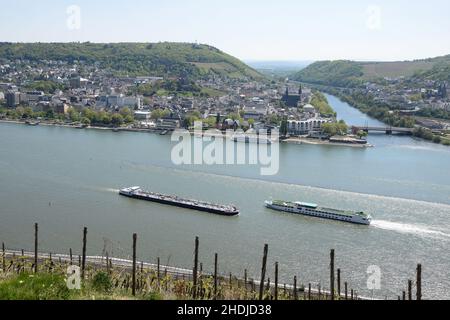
column 65, row 179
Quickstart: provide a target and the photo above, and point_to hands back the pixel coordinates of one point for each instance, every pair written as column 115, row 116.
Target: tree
column 20, row 112
column 86, row 121
column 437, row 139
column 74, row 116
column 329, row 129
column 336, row 128
column 273, row 119
column 362, row 134
column 27, row 113
column 159, row 113
column 284, row 128
column 125, row 112
column 128, row 119
column 117, row 119
column 234, row 116
column 342, row 128
column 190, row 120
column 218, row 118
column 50, row 114
column 211, row 122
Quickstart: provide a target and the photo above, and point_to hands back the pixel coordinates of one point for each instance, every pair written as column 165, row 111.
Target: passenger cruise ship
column 313, row 210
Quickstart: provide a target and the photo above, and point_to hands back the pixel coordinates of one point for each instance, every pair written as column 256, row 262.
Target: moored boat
column 32, row 123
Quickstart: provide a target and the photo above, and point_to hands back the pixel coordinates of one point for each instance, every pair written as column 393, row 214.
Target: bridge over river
column 382, row 129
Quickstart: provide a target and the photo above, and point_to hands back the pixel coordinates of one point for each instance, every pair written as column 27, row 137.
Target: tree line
column 85, row 116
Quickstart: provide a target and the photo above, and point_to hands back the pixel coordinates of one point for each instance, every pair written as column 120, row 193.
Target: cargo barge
column 138, row 193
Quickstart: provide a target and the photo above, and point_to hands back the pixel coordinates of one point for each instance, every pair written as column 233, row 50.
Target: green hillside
column 340, row 73
column 156, row 59
column 343, row 73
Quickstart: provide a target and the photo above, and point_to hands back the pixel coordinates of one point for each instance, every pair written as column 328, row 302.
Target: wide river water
column 65, row 179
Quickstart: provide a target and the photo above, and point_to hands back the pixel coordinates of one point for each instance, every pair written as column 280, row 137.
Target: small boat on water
column 313, row 210
column 138, row 193
column 32, row 123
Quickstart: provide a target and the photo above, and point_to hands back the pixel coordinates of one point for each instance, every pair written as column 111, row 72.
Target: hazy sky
column 248, row 29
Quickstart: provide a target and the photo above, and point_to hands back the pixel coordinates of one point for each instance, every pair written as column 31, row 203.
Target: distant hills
column 344, row 73
column 157, row 59
column 278, row 68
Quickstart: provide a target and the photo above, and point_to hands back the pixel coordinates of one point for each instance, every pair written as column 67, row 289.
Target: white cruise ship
column 313, row 210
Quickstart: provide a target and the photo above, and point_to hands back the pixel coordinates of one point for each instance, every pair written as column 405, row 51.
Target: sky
column 252, row 30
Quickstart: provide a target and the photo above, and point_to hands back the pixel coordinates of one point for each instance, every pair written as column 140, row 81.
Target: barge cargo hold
column 138, row 193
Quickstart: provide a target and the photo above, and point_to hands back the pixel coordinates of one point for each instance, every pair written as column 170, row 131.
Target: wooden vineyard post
column 158, row 271
column 108, row 270
column 276, row 281
column 36, row 230
column 419, row 282
column 346, row 290
column 410, row 289
column 295, row 288
column 134, row 265
column 309, row 291
column 339, row 283
column 195, row 271
column 215, row 275
column 332, row 274
column 263, row 271
column 83, row 261
column 3, row 258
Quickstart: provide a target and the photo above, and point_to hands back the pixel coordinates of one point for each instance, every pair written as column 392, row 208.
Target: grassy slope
column 159, row 59
column 395, row 69
column 50, row 284
column 344, row 73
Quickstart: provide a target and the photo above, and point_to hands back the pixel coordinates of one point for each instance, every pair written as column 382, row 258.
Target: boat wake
column 418, row 230
column 109, row 190
column 430, row 148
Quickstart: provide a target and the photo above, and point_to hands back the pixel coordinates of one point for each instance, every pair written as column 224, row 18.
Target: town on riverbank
column 81, row 95
column 404, row 94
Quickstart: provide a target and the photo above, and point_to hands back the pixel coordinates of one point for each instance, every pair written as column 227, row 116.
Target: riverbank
column 311, row 141
column 252, row 138
column 77, row 126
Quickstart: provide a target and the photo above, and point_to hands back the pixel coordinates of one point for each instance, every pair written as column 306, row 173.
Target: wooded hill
column 134, row 59
column 344, row 73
